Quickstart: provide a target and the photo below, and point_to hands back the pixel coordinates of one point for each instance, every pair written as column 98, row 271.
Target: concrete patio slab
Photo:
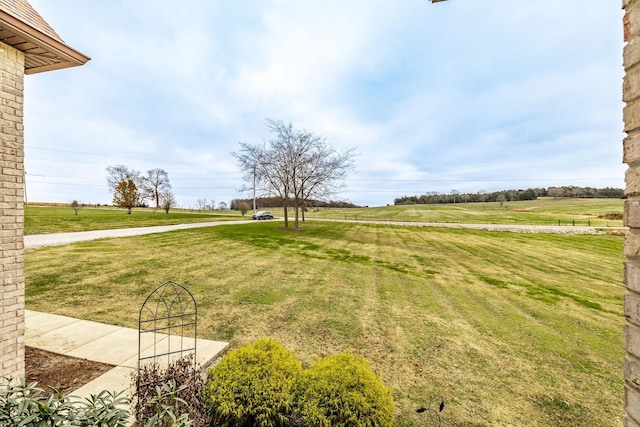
column 116, row 380
column 37, row 323
column 110, row 344
column 71, row 336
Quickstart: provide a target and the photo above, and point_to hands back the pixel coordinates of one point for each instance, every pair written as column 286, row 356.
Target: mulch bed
column 59, row 371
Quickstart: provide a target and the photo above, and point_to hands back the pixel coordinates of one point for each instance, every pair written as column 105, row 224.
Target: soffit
column 22, row 27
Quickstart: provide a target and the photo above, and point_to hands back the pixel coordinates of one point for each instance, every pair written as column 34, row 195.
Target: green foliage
column 56, row 219
column 171, row 396
column 262, row 384
column 164, row 403
column 341, row 390
column 27, row 405
column 253, row 385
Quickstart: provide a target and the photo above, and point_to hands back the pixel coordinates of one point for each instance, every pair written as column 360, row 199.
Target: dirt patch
column 611, row 216
column 59, row 371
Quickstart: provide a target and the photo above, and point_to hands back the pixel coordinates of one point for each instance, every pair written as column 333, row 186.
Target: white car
column 263, row 215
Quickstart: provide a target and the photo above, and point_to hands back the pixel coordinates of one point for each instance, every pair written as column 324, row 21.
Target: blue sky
column 460, row 95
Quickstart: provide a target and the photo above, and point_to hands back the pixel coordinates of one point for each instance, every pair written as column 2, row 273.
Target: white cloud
column 434, row 96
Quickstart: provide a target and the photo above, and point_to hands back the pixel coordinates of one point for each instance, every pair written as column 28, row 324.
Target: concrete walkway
column 104, row 343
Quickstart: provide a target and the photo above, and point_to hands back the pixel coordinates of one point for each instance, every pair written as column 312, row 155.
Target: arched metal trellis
column 168, row 317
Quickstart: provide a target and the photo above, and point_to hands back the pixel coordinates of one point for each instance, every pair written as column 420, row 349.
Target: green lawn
column 544, row 211
column 595, row 212
column 512, row 329
column 56, row 219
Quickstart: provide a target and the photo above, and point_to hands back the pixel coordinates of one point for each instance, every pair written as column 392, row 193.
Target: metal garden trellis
column 166, row 314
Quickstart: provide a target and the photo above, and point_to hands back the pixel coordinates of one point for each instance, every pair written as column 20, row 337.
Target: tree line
column 131, row 188
column 434, row 197
column 275, row 202
column 294, row 166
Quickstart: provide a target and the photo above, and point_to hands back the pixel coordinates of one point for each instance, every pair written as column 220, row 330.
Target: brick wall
column 12, row 209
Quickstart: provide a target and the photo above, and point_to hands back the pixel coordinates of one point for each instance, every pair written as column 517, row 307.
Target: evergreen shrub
column 342, row 390
column 253, row 385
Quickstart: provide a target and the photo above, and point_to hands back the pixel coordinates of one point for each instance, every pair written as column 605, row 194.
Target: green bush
column 253, row 385
column 341, row 390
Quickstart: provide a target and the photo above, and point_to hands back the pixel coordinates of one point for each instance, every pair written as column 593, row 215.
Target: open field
column 595, row 212
column 512, row 329
column 57, row 219
column 544, row 211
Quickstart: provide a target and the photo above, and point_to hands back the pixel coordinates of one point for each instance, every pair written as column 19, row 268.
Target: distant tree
column 501, row 198
column 75, row 206
column 576, row 192
column 202, row 204
column 555, row 192
column 167, row 200
column 126, row 195
column 154, row 184
column 528, row 194
column 124, row 183
column 222, row 206
column 119, row 173
column 243, row 207
column 454, row 193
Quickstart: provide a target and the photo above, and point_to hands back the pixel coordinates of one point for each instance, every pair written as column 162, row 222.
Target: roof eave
column 66, row 56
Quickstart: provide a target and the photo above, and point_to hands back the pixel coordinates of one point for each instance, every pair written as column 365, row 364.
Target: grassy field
column 56, row 219
column 544, row 211
column 512, row 329
column 595, row 212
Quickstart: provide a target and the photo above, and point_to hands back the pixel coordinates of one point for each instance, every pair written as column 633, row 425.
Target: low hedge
column 263, row 384
column 342, row 390
column 253, row 385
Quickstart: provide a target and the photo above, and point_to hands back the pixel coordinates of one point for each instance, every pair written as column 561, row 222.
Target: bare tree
column 243, row 207
column 75, row 206
column 501, row 198
column 322, row 173
column 202, row 204
column 262, row 167
column 454, row 193
column 296, row 165
column 154, row 184
column 119, row 173
column 222, row 206
column 167, row 200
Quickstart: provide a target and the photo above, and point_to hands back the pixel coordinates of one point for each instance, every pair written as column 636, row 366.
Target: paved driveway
column 57, row 239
